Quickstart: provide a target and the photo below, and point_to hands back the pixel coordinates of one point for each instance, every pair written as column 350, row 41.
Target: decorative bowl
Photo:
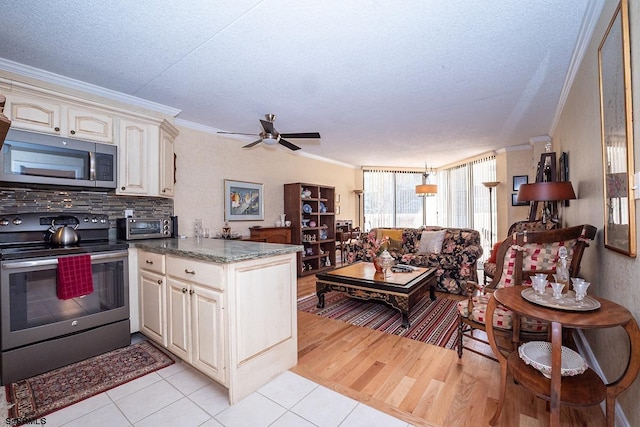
column 306, row 208
column 538, row 355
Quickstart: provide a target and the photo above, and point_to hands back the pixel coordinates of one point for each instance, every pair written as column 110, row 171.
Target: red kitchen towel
column 74, row 276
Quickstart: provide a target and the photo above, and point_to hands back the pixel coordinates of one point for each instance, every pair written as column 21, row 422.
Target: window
column 467, row 203
column 390, row 199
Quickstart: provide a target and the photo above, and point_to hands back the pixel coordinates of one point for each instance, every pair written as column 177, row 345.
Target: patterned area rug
column 432, row 322
column 45, row 393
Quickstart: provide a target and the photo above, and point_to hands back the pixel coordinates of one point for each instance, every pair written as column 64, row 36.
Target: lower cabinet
column 236, row 322
column 194, row 330
column 152, row 290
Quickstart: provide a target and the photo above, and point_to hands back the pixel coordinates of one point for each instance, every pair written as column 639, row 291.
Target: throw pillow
column 394, row 235
column 431, row 242
column 494, row 252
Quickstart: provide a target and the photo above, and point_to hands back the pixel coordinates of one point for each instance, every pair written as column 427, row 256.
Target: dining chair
column 520, row 256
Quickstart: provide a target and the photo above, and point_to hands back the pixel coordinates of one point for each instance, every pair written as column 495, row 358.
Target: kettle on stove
column 64, row 235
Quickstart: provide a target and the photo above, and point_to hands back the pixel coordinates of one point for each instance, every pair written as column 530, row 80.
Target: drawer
column 151, row 261
column 204, row 273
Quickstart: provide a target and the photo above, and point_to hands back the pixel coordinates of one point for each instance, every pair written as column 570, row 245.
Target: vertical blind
column 462, row 200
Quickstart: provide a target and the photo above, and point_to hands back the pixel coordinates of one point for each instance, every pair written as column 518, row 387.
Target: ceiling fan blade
column 253, row 143
column 301, row 135
column 267, row 126
column 289, row 145
column 238, row 133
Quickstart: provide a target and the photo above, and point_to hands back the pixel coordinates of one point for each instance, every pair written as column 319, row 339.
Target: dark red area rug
column 432, row 322
column 45, row 393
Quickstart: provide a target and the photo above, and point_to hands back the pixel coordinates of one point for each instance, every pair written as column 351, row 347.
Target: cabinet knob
column 73, row 132
column 191, row 292
column 123, row 188
column 149, row 262
column 57, row 129
column 184, row 290
column 189, row 271
column 159, row 281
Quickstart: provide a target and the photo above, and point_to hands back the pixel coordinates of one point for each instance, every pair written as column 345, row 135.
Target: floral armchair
column 454, row 257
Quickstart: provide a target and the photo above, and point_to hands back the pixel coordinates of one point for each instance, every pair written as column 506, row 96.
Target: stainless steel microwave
column 34, row 158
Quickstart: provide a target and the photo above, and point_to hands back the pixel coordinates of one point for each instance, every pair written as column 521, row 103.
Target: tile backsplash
column 20, row 200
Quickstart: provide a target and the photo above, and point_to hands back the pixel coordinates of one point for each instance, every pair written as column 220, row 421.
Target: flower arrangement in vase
column 374, row 247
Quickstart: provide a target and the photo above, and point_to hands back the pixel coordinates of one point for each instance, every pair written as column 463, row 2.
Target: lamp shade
column 546, row 192
column 426, row 189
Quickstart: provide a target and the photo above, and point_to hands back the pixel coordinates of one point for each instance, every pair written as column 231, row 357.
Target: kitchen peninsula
column 227, row 307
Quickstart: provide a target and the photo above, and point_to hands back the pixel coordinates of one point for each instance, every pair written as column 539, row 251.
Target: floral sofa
column 455, row 259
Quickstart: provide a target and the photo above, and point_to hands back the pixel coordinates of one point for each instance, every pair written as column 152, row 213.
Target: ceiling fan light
column 269, row 139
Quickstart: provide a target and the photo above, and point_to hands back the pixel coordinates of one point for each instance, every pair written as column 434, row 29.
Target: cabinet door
column 208, row 339
column 167, row 160
column 152, row 311
column 89, row 124
column 32, row 113
column 178, row 318
column 133, row 160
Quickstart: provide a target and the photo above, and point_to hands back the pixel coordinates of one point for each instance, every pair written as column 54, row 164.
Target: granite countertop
column 215, row 250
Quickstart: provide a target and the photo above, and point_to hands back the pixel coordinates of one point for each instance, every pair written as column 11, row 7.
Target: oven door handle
column 54, row 261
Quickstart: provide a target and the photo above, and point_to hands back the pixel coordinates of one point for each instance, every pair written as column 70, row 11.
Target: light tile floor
column 181, row 396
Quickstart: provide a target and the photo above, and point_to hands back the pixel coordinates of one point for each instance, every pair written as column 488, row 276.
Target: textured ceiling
column 385, row 83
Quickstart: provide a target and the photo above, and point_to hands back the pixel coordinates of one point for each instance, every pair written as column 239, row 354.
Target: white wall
column 614, row 276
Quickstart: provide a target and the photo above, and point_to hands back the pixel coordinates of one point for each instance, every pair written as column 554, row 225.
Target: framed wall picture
column 514, row 200
column 518, row 180
column 616, row 121
column 563, row 173
column 243, row 201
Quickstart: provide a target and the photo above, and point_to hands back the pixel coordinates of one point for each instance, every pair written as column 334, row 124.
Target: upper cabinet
column 146, row 161
column 41, row 114
column 135, row 148
column 88, row 124
column 168, row 134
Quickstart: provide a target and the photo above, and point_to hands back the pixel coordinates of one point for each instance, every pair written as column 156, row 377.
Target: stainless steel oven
column 40, row 331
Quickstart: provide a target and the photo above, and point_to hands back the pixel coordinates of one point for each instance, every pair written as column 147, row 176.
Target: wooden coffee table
column 360, row 280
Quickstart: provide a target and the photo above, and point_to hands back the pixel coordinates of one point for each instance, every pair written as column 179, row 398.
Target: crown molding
column 589, row 23
column 69, row 83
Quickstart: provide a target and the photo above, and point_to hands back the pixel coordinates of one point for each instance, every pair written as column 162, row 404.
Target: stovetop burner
column 25, row 235
column 49, row 250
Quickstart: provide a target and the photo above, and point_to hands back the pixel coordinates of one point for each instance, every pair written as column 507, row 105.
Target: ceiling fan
column 270, row 135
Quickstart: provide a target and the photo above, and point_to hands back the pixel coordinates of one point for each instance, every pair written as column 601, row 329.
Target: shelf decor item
column 538, row 355
column 243, row 201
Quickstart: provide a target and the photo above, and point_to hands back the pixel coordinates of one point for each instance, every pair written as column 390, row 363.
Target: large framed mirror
column 617, row 134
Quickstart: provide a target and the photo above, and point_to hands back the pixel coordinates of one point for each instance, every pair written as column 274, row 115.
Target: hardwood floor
column 422, row 384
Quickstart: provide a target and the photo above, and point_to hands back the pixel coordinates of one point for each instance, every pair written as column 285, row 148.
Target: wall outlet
column 128, row 213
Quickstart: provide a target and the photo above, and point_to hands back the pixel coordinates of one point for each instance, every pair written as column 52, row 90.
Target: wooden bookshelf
column 311, row 210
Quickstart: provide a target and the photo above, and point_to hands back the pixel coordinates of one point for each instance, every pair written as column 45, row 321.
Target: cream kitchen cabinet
column 145, row 158
column 42, row 114
column 137, row 155
column 168, row 134
column 230, row 308
column 195, row 315
column 152, row 290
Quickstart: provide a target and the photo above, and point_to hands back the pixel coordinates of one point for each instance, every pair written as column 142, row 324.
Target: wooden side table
column 271, row 234
column 581, row 390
